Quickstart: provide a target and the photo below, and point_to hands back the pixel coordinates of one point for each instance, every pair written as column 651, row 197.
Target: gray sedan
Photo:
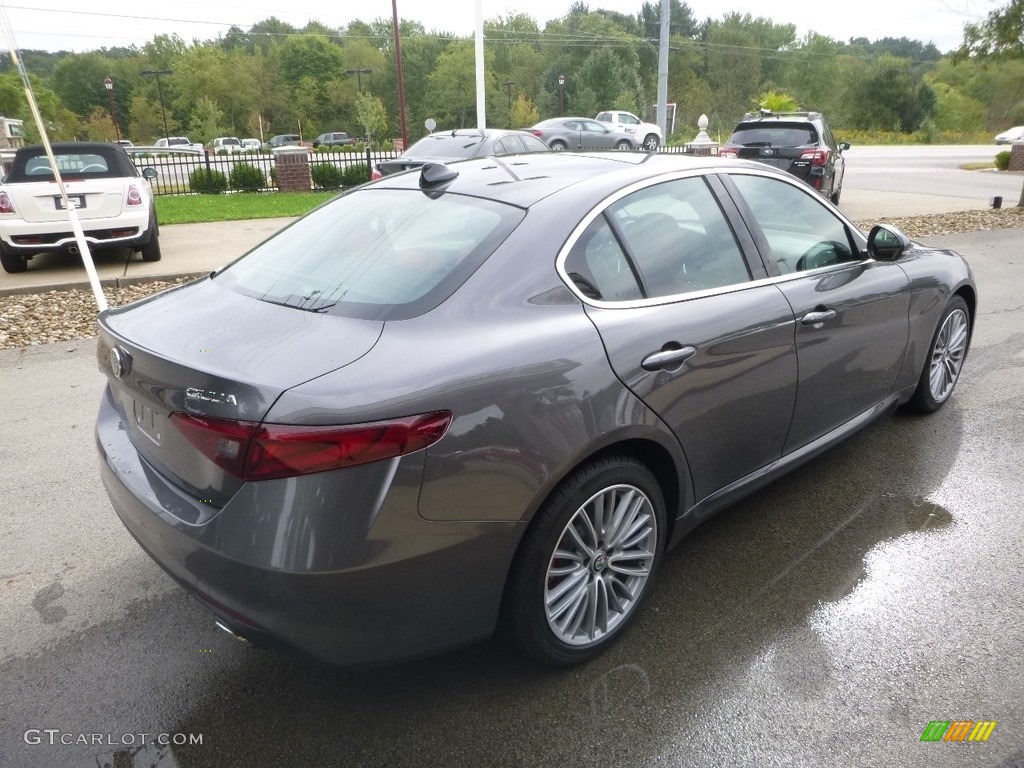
column 581, row 133
column 492, row 395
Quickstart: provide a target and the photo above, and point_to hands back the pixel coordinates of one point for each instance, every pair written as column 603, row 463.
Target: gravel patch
column 56, row 316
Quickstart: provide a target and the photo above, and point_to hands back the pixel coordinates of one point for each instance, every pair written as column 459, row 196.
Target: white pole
column 76, row 226
column 481, row 107
column 662, row 117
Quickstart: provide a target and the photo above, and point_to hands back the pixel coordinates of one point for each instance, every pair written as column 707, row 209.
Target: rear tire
column 586, row 563
column 835, row 196
column 651, row 142
column 12, row 262
column 946, row 355
column 151, row 250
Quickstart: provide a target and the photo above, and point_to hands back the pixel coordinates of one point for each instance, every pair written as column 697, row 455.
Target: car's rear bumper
column 131, row 229
column 307, row 564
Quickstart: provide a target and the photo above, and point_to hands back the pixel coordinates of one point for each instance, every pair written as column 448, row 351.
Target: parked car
column 114, row 203
column 517, row 384
column 251, row 145
column 284, row 140
column 335, row 139
column 178, row 143
column 446, row 146
column 228, row 144
column 1010, row 136
column 125, row 143
column 580, row 133
column 648, row 135
column 798, row 142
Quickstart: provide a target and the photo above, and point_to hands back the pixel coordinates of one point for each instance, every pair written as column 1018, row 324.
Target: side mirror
column 150, row 172
column 843, row 146
column 887, row 243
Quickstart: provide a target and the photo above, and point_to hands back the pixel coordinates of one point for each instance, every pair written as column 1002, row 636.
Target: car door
column 595, row 135
column 852, row 313
column 686, row 326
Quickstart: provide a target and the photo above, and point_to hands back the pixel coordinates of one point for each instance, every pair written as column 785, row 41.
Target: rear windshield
column 445, row 146
column 33, row 165
column 383, row 254
column 799, row 135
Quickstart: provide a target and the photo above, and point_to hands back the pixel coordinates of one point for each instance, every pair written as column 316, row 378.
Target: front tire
column 587, row 562
column 945, row 359
column 623, row 145
column 558, row 146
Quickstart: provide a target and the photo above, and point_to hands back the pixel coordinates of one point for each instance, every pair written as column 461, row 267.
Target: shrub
column 355, row 174
column 207, row 182
column 247, row 177
column 327, row 176
column 1003, row 160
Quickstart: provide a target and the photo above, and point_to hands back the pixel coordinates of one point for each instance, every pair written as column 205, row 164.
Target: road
column 891, row 181
column 824, row 622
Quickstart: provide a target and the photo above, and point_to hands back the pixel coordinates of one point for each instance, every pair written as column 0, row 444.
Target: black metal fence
column 175, row 169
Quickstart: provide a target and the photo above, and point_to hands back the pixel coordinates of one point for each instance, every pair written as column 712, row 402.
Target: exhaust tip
column 231, row 632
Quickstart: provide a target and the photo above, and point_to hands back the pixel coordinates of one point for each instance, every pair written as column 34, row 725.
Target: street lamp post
column 561, row 94
column 358, row 73
column 109, row 85
column 160, row 90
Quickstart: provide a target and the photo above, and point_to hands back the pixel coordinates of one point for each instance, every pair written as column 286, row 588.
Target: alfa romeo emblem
column 120, row 362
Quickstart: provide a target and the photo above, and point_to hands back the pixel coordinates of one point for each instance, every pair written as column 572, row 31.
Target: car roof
column 525, row 179
column 118, row 160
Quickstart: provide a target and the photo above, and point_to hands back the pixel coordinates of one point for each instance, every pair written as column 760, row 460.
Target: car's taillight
column 252, row 451
column 6, row 206
column 728, row 152
column 816, row 156
column 537, row 133
column 376, row 174
column 134, row 196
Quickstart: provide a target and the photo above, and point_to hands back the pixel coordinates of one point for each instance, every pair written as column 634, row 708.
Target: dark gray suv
column 798, row 142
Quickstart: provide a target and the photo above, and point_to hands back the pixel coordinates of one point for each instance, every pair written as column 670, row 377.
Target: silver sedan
column 582, row 133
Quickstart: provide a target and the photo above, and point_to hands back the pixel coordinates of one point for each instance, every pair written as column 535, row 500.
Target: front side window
column 375, row 254
column 802, row 233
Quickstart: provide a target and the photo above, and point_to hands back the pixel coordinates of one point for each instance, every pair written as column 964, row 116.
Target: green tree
column 524, row 113
column 206, row 120
column 1000, row 34
column 888, row 97
column 371, row 115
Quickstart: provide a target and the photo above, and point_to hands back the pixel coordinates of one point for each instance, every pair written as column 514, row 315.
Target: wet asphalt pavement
column 823, row 622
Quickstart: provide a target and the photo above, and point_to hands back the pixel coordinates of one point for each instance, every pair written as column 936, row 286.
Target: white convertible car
column 114, row 203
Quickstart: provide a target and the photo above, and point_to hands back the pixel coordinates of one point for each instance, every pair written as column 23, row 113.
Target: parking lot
column 825, row 621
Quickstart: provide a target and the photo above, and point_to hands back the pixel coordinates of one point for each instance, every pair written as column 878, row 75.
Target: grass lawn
column 190, row 209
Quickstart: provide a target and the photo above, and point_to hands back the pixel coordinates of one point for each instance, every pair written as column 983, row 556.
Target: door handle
column 817, row 317
column 667, row 358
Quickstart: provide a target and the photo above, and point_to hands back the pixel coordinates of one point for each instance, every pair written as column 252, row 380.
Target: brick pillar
column 1017, row 156
column 292, row 165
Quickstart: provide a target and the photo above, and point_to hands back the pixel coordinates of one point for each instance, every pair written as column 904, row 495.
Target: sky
column 71, row 24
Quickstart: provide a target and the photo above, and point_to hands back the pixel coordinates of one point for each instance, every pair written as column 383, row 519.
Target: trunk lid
column 40, row 202
column 784, row 158
column 211, row 352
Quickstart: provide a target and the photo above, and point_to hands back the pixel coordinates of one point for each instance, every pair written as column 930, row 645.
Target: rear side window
column 375, row 254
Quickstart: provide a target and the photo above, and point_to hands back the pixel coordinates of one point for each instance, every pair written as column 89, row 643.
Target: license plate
column 148, row 421
column 77, row 201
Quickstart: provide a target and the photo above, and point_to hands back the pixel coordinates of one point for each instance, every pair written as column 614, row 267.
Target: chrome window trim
column 601, row 207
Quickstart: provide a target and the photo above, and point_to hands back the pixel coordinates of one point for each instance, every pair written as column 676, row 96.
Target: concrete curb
column 114, row 282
